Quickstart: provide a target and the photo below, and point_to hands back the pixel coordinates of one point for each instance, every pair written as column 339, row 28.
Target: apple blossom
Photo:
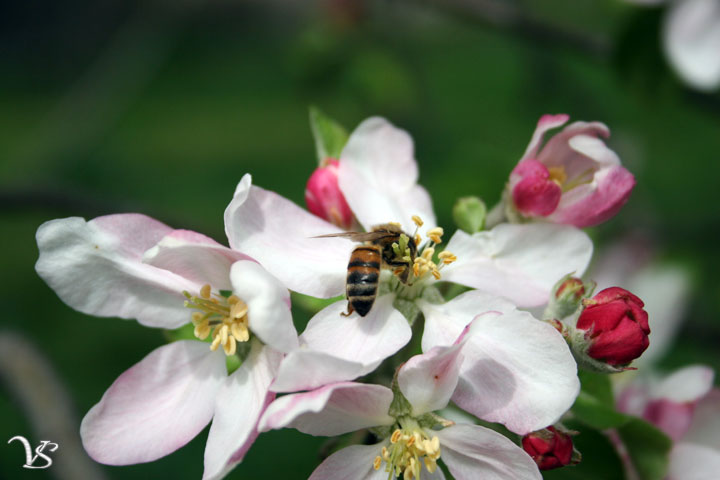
column 377, row 176
column 573, row 179
column 403, row 419
column 132, row 266
column 686, row 407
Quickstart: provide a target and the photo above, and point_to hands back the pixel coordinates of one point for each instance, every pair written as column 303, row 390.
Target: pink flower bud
column 615, row 325
column 573, row 179
column 324, row 198
column 549, row 448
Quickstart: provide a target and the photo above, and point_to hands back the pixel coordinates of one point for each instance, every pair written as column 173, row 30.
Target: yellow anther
column 418, row 221
column 558, row 175
column 225, row 318
column 428, row 253
column 377, row 463
column 416, row 269
column 447, row 257
column 436, row 231
column 397, row 434
column 418, row 239
column 436, row 274
column 430, row 464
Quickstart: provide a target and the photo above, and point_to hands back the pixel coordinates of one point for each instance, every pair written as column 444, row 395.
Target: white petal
column 195, row 257
column 429, row 380
column 96, row 268
column 155, row 407
column 378, row 175
column 689, row 461
column 445, row 322
column 688, row 384
column 517, row 370
column 331, row 410
column 351, row 463
column 268, row 305
column 472, row 452
column 366, row 340
column 705, row 426
column 279, row 234
column 304, row 369
column 518, row 262
column 691, row 36
column 238, row 407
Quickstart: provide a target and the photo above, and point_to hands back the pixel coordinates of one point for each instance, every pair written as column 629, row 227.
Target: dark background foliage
column 160, row 107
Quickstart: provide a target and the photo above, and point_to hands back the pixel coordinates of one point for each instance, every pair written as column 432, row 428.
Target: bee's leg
column 349, row 312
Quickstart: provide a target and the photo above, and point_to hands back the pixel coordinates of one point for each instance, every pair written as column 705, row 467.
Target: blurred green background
column 160, row 107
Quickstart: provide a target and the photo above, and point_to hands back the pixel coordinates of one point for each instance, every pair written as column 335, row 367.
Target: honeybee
column 363, row 272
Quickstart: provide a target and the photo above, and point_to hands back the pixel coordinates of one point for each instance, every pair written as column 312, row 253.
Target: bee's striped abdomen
column 362, row 278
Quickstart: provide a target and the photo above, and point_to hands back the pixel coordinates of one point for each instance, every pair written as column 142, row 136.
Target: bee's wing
column 356, row 236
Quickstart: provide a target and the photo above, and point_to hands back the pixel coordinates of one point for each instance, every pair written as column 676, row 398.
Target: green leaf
column 312, row 304
column 595, row 404
column 648, row 448
column 330, row 136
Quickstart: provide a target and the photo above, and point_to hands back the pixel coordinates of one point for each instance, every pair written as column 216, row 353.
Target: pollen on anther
column 377, row 462
column 205, row 291
column 418, row 221
column 396, row 436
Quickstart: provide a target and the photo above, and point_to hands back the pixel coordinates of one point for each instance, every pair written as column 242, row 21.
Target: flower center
column 408, row 446
column 423, row 264
column 557, row 175
column 223, row 314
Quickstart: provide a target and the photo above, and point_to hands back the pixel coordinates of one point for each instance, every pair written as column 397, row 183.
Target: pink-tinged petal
column 472, row 452
column 597, row 201
column 304, row 369
column 96, row 267
column 268, row 303
column 546, row 122
column 352, row 463
column 429, row 380
column 279, row 234
column 378, row 176
column 445, row 322
column 690, row 461
column 365, row 340
column 705, row 427
column 517, row 370
column 689, row 384
column 579, row 150
column 533, row 192
column 238, row 407
column 155, row 407
column 518, row 262
column 691, row 36
column 195, row 257
column 672, row 418
column 331, row 410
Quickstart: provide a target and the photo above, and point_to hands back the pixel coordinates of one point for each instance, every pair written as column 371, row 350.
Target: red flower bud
column 616, row 326
column 549, row 448
column 324, row 198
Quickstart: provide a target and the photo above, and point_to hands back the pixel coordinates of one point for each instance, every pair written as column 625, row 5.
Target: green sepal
column 225, row 293
column 330, row 137
column 382, row 431
column 648, row 447
column 186, row 332
column 469, row 214
column 408, row 308
column 400, row 406
column 595, row 405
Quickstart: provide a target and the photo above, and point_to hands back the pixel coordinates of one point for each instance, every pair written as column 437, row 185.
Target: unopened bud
column 324, row 198
column 550, row 448
column 469, row 214
column 611, row 331
column 568, row 294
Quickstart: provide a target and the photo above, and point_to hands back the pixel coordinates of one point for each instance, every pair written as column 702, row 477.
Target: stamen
column 377, row 462
column 407, row 447
column 226, row 318
column 435, row 234
column 418, row 221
